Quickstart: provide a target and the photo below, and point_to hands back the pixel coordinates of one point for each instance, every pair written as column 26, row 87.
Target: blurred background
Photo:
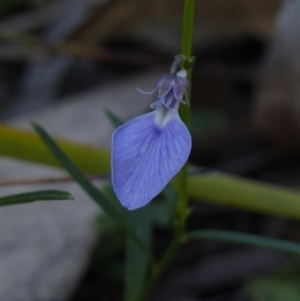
column 245, row 119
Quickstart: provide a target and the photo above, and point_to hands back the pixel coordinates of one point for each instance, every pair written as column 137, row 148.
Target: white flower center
column 162, row 116
column 182, row 73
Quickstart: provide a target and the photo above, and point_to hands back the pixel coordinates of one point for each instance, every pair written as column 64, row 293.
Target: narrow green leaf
column 114, row 119
column 136, row 263
column 95, row 193
column 28, row 197
column 246, row 194
column 27, row 146
column 246, row 239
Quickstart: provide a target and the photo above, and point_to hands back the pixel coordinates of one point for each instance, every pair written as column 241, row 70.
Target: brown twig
column 62, row 179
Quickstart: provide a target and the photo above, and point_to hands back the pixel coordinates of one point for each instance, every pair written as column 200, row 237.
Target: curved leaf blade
column 246, row 239
column 29, row 197
column 246, row 194
column 27, row 146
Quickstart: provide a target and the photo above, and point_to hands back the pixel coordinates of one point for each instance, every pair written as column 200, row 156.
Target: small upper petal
column 180, row 87
column 165, row 85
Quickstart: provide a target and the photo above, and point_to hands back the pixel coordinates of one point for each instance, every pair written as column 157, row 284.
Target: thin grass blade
column 29, row 197
column 246, row 239
column 243, row 193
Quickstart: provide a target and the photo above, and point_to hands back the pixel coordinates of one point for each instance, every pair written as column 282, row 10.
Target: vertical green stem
column 186, row 50
column 187, row 29
column 182, row 210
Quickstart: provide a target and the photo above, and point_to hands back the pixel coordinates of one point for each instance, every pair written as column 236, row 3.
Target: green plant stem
column 159, row 269
column 187, row 29
column 182, row 207
column 186, row 51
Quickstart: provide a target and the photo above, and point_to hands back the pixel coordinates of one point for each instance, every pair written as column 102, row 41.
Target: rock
column 45, row 246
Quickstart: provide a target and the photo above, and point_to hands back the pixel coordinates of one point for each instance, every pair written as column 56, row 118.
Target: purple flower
column 149, row 150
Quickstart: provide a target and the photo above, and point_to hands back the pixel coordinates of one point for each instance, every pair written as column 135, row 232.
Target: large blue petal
column 145, row 157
